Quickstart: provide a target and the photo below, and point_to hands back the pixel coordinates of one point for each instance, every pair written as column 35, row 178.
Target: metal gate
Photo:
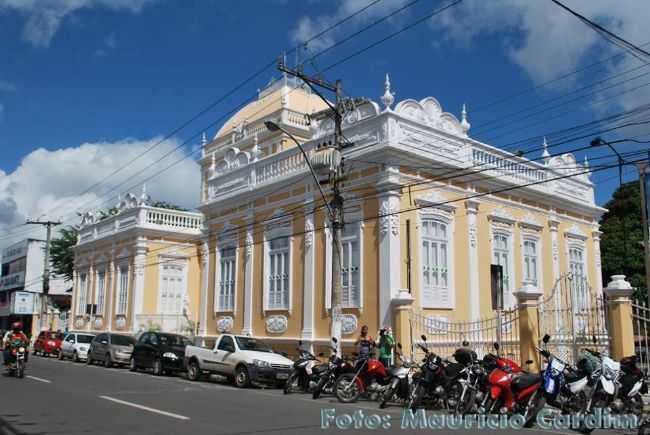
column 641, row 325
column 444, row 337
column 574, row 317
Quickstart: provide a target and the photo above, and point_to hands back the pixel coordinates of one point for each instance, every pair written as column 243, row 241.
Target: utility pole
column 330, row 158
column 642, row 166
column 46, row 267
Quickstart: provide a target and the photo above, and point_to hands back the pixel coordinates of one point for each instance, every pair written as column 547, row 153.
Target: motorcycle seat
column 453, row 369
column 526, row 380
column 574, row 376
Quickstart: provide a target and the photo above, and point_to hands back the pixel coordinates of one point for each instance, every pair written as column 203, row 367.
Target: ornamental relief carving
column 309, row 233
column 225, row 324
column 80, row 322
column 249, row 243
column 349, row 324
column 473, row 235
column 276, row 324
column 98, row 323
column 120, row 323
column 389, row 221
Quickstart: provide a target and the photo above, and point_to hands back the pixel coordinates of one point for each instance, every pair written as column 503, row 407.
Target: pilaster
column 473, row 260
column 248, row 281
column 389, row 253
column 308, row 282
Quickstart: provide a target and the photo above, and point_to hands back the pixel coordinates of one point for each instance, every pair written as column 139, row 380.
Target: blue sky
column 93, row 80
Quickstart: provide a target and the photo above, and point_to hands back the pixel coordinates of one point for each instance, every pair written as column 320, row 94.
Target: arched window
column 436, row 261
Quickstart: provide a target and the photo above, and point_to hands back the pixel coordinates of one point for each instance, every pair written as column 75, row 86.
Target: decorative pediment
column 432, row 201
column 429, row 112
column 501, row 216
column 280, row 220
column 228, row 232
column 575, row 233
column 232, row 159
column 88, row 218
column 530, row 222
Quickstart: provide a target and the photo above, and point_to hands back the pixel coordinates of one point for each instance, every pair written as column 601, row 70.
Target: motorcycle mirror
column 496, row 346
column 299, row 342
column 593, row 338
column 321, row 354
column 399, row 346
column 334, row 340
column 423, row 337
column 546, row 338
column 465, row 343
column 530, row 361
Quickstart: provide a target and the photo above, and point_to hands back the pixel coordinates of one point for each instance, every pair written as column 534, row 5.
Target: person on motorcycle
column 365, row 343
column 386, row 346
column 11, row 337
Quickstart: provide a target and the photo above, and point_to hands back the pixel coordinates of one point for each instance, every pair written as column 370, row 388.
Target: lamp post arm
column 311, row 169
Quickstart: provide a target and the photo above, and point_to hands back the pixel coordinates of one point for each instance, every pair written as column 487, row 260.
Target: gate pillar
column 527, row 304
column 619, row 313
column 402, row 304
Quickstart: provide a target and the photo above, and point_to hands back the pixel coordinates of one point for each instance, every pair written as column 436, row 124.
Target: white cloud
column 44, row 17
column 51, row 181
column 308, row 27
column 546, row 41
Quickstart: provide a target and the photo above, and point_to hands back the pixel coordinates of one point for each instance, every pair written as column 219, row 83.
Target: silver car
column 110, row 349
column 75, row 346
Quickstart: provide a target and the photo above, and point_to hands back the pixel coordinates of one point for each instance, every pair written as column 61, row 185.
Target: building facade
column 428, row 209
column 21, row 287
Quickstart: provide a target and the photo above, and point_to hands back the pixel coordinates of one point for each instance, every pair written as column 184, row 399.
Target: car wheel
column 242, row 378
column 132, row 365
column 89, row 360
column 157, row 367
column 108, row 362
column 193, row 371
column 60, row 355
column 75, row 356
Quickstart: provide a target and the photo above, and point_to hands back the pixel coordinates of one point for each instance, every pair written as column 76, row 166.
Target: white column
column 109, row 291
column 595, row 235
column 553, row 225
column 389, row 254
column 473, row 261
column 248, row 282
column 205, row 270
column 308, row 282
column 139, row 261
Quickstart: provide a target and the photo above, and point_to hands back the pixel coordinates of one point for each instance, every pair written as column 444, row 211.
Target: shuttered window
column 435, row 263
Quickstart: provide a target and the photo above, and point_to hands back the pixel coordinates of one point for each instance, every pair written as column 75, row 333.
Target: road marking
column 39, row 379
column 145, row 408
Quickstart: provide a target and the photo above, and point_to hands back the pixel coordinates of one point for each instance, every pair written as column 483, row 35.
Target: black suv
column 159, row 351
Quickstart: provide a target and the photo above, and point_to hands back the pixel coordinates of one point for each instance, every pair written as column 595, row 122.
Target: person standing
column 365, row 343
column 386, row 346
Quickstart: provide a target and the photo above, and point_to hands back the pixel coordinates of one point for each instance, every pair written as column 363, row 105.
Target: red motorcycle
column 510, row 390
column 369, row 378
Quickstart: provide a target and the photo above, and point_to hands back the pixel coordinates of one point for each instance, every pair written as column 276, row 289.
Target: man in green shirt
column 386, row 345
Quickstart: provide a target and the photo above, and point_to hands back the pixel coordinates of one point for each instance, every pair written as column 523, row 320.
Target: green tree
column 62, row 253
column 167, row 205
column 618, row 257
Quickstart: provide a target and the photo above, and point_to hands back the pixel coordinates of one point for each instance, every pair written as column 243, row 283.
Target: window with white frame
column 83, row 293
column 434, row 235
column 278, row 278
column 531, row 262
column 226, row 279
column 576, row 262
column 350, row 267
column 579, row 285
column 501, row 255
column 100, row 293
column 122, row 289
column 172, row 291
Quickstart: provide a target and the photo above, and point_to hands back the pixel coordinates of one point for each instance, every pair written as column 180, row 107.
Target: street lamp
column 599, row 141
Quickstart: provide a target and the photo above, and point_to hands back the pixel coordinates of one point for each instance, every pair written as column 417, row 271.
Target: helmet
column 17, row 326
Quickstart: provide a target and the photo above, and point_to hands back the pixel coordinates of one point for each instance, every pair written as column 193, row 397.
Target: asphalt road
column 61, row 397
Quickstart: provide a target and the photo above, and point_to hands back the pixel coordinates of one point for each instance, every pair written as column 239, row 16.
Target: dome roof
column 296, row 96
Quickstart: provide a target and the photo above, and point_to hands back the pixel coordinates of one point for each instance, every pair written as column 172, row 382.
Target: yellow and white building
column 423, row 221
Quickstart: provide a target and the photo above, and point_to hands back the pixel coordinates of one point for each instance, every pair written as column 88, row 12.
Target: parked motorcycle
column 17, row 366
column 369, row 378
column 510, row 390
column 399, row 385
column 306, row 371
column 326, row 380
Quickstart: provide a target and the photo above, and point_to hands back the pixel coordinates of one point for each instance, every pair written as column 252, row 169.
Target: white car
column 75, row 346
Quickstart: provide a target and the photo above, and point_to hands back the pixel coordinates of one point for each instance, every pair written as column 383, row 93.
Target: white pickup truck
column 241, row 359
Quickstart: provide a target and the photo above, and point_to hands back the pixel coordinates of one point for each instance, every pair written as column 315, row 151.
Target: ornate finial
column 586, row 165
column 144, row 198
column 464, row 123
column 204, row 139
column 389, row 97
column 545, row 154
column 213, row 163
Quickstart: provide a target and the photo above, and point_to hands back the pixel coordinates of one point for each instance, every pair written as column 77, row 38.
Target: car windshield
column 174, row 340
column 84, row 339
column 122, row 340
column 247, row 343
column 52, row 336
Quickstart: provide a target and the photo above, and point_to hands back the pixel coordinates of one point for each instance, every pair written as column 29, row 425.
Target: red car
column 48, row 343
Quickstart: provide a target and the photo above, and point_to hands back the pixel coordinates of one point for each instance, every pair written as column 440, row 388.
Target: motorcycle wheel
column 535, row 404
column 288, row 386
column 347, row 391
column 463, row 406
column 415, row 399
column 388, row 394
column 319, row 388
column 20, row 372
column 644, row 429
